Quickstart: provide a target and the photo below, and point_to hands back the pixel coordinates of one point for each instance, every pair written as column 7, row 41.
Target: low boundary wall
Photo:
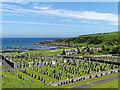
column 82, row 78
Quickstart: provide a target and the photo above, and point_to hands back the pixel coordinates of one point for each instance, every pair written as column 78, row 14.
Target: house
column 71, row 51
column 87, row 49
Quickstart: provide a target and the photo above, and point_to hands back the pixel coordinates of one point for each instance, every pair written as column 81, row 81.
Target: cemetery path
column 95, row 82
column 6, row 66
column 52, row 50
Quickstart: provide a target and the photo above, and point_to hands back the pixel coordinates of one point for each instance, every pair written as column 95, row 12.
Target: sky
column 57, row 19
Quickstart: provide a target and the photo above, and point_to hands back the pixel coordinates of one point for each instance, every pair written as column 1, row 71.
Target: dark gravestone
column 72, row 80
column 44, row 80
column 32, row 75
column 90, row 76
column 88, row 71
column 38, row 77
column 96, row 75
column 35, row 76
column 31, row 80
column 47, row 73
column 69, row 76
column 21, row 77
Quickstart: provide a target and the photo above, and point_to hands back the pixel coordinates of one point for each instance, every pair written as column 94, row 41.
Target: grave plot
column 57, row 72
column 66, row 69
column 32, row 61
column 40, row 76
column 32, row 76
column 84, row 64
column 47, row 70
column 112, row 59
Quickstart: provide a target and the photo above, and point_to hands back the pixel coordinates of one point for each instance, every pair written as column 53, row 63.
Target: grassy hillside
column 109, row 39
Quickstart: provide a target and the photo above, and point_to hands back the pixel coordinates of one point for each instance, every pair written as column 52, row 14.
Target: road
column 6, row 66
column 95, row 82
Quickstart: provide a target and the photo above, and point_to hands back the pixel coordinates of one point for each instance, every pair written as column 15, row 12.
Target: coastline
column 22, row 49
column 50, row 43
column 24, row 44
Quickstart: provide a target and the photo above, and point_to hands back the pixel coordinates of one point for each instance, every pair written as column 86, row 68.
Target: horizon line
column 62, row 37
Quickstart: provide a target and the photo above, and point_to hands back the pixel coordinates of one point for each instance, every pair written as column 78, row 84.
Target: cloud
column 84, row 21
column 21, row 3
column 67, row 20
column 89, row 15
column 10, row 7
column 114, row 24
column 96, row 22
column 0, row 5
column 43, row 7
column 48, row 10
column 34, row 23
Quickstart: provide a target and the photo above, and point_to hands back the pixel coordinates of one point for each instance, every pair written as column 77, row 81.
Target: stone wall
column 82, row 58
column 82, row 78
column 12, row 64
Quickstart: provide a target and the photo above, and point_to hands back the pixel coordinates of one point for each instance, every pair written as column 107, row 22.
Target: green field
column 109, row 39
column 108, row 84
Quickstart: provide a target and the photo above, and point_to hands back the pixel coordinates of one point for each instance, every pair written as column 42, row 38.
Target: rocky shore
column 16, row 49
column 51, row 43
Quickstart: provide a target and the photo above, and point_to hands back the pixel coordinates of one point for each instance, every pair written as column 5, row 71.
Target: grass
column 41, row 52
column 58, row 52
column 108, row 39
column 17, row 82
column 11, row 81
column 108, row 84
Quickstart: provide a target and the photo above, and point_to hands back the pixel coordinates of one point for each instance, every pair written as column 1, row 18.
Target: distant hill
column 109, row 39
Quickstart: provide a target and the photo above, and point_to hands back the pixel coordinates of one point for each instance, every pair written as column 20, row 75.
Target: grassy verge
column 108, row 84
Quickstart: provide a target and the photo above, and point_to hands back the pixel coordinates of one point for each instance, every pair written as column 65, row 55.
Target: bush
column 115, row 50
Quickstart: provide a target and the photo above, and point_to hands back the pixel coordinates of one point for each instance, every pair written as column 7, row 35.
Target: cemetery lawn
column 42, row 52
column 87, row 53
column 89, row 80
column 108, row 84
column 11, row 81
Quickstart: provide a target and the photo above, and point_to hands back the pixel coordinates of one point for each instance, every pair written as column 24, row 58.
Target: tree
column 115, row 50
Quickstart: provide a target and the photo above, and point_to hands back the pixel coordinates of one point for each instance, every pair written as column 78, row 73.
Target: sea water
column 9, row 43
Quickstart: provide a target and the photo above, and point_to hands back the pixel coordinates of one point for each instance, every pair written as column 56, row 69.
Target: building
column 71, row 51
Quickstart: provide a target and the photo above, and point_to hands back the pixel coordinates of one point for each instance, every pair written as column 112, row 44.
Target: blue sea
column 9, row 43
